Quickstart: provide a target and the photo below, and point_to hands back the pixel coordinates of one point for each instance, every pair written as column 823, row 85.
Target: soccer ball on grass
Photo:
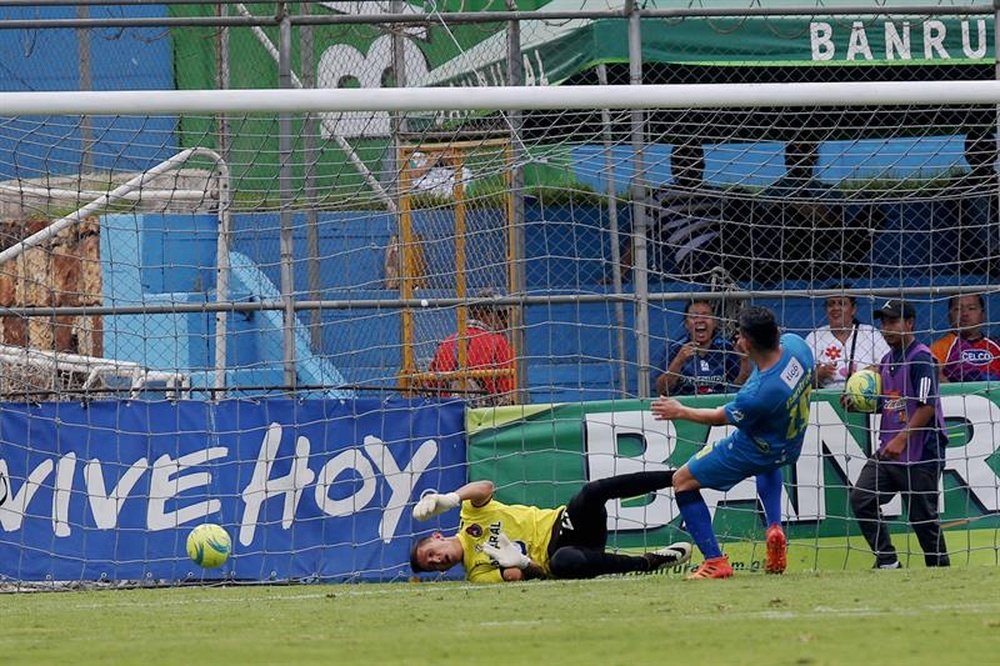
column 209, row 545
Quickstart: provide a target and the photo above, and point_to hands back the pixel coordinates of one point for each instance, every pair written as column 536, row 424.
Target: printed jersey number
column 798, row 419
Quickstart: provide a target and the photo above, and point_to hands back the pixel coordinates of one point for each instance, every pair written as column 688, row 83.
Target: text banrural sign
column 569, row 444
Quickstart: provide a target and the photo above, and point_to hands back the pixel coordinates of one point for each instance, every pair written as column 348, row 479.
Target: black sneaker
column 888, row 565
column 669, row 556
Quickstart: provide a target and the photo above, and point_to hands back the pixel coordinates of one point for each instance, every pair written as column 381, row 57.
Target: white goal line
column 152, row 102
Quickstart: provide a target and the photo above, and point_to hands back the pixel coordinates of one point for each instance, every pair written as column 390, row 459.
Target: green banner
column 745, row 42
column 542, row 455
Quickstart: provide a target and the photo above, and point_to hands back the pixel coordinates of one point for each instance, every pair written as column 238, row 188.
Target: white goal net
column 291, row 305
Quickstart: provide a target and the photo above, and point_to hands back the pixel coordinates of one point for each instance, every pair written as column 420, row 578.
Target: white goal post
column 503, row 98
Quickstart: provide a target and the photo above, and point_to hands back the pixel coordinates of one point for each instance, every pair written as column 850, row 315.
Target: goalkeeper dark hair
column 414, row 561
column 758, row 325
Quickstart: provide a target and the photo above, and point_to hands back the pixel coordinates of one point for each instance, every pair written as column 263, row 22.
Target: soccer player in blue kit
column 770, row 413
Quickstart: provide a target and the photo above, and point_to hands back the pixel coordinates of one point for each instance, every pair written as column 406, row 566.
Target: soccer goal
column 605, row 218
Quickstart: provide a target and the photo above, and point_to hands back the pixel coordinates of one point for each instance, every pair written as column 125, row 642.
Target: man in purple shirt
column 912, row 443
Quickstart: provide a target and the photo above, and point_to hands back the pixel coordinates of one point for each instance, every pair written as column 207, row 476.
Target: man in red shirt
column 487, row 348
column 967, row 355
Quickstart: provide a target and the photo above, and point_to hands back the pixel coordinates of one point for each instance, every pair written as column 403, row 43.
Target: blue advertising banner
column 307, row 490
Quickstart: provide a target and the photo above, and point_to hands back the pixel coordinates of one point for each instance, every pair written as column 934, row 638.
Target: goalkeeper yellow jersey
column 528, row 526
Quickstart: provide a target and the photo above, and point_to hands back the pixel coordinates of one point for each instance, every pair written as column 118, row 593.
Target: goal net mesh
column 568, row 254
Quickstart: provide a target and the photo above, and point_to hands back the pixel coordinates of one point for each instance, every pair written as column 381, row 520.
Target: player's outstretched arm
column 477, row 492
column 434, row 504
column 669, row 409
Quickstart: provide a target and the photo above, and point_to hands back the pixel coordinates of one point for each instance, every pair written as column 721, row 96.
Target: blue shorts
column 727, row 462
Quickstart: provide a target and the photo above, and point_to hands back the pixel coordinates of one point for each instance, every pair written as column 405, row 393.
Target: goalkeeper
column 500, row 542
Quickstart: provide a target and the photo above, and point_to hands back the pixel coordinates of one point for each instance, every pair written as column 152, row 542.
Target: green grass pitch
column 910, row 616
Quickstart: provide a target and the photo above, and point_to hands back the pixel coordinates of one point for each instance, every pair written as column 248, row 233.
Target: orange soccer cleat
column 777, row 550
column 716, row 567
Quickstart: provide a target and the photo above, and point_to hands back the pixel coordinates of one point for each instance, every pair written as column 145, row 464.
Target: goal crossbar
column 509, row 98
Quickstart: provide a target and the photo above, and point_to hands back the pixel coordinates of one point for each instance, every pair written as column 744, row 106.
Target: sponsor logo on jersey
column 792, row 373
column 977, row 356
column 894, row 404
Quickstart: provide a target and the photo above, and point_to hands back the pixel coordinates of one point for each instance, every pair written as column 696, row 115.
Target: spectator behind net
column 702, row 361
column 966, row 354
column 912, row 443
column 844, row 345
column 487, row 348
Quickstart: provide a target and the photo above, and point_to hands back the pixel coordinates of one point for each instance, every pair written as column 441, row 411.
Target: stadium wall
column 571, row 348
column 135, row 59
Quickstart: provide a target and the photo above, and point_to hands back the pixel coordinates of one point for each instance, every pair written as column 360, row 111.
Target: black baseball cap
column 894, row 308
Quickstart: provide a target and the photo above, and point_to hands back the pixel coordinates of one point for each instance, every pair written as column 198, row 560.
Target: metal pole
column 310, row 132
column 401, row 214
column 517, row 278
column 544, row 300
column 86, row 129
column 399, row 74
column 474, row 17
column 616, row 255
column 222, row 82
column 407, row 274
column 564, row 98
column 225, row 217
column 640, row 274
column 461, row 286
column 285, row 184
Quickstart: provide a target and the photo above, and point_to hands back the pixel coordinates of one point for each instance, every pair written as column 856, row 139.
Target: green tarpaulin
column 556, row 55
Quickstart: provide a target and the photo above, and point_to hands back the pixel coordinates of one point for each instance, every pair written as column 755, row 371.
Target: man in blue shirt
column 703, row 361
column 770, row 413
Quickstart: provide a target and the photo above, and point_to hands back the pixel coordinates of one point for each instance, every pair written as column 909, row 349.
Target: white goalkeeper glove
column 433, row 504
column 507, row 553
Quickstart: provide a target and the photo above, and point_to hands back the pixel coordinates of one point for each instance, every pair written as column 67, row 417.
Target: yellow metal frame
column 410, row 376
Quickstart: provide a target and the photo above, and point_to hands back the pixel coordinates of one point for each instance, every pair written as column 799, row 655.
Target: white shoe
column 669, row 556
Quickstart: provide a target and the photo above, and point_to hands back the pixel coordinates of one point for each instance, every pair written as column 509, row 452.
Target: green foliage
column 911, row 616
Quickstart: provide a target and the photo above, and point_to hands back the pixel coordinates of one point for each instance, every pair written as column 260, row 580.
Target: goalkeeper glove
column 433, row 504
column 507, row 553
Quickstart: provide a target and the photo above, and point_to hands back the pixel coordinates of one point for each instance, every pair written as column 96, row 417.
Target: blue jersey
column 714, row 372
column 771, row 410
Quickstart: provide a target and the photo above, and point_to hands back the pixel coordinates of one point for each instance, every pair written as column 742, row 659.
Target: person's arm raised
column 669, row 409
column 433, row 504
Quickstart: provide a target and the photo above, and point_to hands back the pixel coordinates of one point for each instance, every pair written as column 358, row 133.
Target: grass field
column 912, row 616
